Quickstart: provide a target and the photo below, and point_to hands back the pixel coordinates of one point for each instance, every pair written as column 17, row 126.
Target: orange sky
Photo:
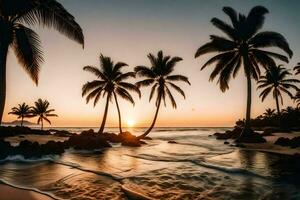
column 128, row 32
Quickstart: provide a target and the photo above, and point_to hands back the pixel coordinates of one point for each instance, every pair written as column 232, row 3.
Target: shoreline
column 15, row 192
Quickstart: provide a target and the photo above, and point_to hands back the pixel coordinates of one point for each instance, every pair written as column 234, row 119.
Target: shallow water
column 197, row 167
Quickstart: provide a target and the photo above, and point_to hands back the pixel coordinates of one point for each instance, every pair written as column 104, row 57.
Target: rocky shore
column 86, row 140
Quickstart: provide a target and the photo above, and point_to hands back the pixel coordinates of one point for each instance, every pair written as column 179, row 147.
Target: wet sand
column 11, row 193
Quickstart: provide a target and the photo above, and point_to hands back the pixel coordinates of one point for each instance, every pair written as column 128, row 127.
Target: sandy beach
column 11, row 193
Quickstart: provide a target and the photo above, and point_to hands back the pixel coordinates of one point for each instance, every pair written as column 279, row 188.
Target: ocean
column 196, row 167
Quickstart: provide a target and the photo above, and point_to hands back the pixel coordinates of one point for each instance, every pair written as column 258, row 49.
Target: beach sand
column 11, row 193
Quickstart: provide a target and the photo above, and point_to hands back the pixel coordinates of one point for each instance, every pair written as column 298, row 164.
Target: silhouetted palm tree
column 111, row 82
column 297, row 68
column 297, row 99
column 22, row 111
column 16, row 19
column 269, row 113
column 276, row 81
column 159, row 76
column 42, row 111
column 242, row 47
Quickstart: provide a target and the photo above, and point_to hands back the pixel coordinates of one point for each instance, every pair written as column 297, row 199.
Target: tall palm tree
column 269, row 113
column 110, row 83
column 297, row 68
column 16, row 18
column 42, row 111
column 159, row 76
column 242, row 47
column 276, row 81
column 22, row 111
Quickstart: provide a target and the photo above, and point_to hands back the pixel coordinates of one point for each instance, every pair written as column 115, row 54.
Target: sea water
column 195, row 167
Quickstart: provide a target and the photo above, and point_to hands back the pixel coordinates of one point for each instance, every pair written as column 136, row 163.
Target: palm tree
column 42, row 111
column 276, row 81
column 297, row 99
column 111, row 82
column 269, row 113
column 297, row 68
column 159, row 76
column 16, row 19
column 22, row 111
column 242, row 47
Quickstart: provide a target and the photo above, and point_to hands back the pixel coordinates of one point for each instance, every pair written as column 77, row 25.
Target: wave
column 79, row 167
column 202, row 163
column 21, row 159
column 30, row 189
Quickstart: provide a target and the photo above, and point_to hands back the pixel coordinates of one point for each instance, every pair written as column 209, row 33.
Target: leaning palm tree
column 42, row 111
column 269, row 113
column 276, row 81
column 297, row 68
column 242, row 47
column 16, row 19
column 159, row 76
column 22, row 111
column 112, row 83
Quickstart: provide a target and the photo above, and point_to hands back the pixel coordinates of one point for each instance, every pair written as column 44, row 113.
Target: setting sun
column 130, row 122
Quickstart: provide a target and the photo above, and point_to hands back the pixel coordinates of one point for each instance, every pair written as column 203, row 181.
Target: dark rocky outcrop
column 172, row 142
column 250, row 137
column 293, row 143
column 7, row 131
column 88, row 140
column 61, row 133
column 127, row 139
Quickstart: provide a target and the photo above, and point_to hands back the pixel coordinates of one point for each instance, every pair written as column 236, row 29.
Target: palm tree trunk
column 119, row 113
column 22, row 119
column 277, row 105
column 42, row 122
column 105, row 115
column 3, row 57
column 153, row 123
column 249, row 96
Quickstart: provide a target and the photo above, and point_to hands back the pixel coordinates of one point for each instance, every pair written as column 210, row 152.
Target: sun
column 130, row 122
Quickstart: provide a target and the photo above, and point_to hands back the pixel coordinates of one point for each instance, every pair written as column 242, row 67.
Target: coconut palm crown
column 16, row 19
column 242, row 48
column 276, row 81
column 111, row 82
column 159, row 76
column 42, row 111
column 22, row 111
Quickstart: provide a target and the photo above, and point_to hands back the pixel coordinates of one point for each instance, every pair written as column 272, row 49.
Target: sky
column 127, row 30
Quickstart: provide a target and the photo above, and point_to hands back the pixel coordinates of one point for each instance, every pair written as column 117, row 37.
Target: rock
column 129, row 140
column 5, row 149
column 295, row 142
column 61, row 133
column 112, row 137
column 282, row 141
column 235, row 133
column 88, row 140
column 142, row 142
column 226, row 142
column 251, row 137
column 147, row 138
column 297, row 155
column 172, row 142
column 7, row 131
column 52, row 147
